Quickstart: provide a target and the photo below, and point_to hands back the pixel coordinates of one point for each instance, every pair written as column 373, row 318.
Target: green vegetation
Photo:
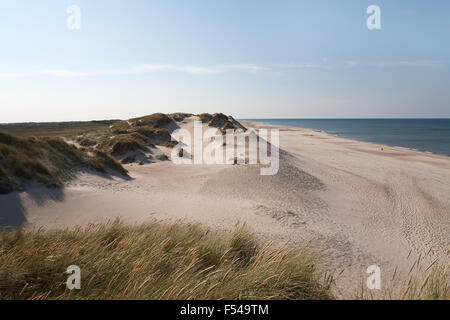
column 38, row 153
column 135, row 134
column 57, row 129
column 123, row 143
column 205, row 117
column 44, row 160
column 227, row 126
column 154, row 261
column 423, row 282
column 180, row 116
column 155, row 134
column 35, row 151
column 178, row 261
column 221, row 121
column 156, row 120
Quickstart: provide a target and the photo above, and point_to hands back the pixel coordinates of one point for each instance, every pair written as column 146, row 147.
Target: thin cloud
column 166, row 67
column 246, row 67
column 301, row 66
column 149, row 68
column 414, row 64
column 217, row 69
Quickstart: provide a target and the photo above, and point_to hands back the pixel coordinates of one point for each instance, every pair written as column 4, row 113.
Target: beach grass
column 123, row 143
column 155, row 120
column 424, row 281
column 155, row 261
column 45, row 160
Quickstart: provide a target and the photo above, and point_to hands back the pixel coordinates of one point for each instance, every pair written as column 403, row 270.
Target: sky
column 249, row 59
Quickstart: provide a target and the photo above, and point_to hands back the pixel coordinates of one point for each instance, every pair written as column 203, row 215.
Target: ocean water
column 431, row 135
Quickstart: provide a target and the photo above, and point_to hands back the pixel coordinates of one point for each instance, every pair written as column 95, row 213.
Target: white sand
column 356, row 203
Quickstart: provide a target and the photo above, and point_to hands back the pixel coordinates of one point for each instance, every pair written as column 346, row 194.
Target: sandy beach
column 356, row 203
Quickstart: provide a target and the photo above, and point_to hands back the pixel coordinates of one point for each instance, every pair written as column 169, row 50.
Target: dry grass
column 154, row 261
column 424, row 281
column 44, row 160
column 205, row 117
column 30, row 155
column 180, row 116
column 123, row 143
column 158, row 136
column 156, row 120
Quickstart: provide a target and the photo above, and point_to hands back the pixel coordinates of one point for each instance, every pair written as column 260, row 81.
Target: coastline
column 262, row 124
column 356, row 203
column 343, row 136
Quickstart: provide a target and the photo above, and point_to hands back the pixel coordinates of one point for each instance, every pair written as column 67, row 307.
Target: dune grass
column 205, row 117
column 155, row 120
column 30, row 155
column 180, row 116
column 154, row 261
column 123, row 143
column 424, row 281
column 44, row 160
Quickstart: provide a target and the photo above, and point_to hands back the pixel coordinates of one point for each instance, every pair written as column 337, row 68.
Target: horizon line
column 245, row 119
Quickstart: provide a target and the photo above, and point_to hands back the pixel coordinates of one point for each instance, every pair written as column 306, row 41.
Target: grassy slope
column 35, row 151
column 45, row 160
column 154, row 261
column 156, row 120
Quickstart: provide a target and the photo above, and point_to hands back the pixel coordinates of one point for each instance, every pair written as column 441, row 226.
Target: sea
column 431, row 135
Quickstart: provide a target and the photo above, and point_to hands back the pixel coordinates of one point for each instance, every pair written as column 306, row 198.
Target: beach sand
column 356, row 203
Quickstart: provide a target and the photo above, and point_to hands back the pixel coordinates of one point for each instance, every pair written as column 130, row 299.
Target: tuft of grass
column 227, row 126
column 123, row 143
column 120, row 127
column 180, row 116
column 102, row 160
column 205, row 117
column 154, row 261
column 217, row 120
column 157, row 135
column 423, row 282
column 134, row 133
column 221, row 121
column 169, row 144
column 156, row 120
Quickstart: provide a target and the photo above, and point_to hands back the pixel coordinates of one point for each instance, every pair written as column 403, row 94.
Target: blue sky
column 251, row 59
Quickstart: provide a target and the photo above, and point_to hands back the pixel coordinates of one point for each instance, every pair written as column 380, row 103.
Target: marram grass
column 424, row 281
column 154, row 261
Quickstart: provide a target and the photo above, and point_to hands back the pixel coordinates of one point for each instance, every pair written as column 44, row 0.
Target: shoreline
column 342, row 137
column 268, row 125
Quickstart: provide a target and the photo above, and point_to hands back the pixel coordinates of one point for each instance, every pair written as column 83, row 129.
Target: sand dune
column 358, row 203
